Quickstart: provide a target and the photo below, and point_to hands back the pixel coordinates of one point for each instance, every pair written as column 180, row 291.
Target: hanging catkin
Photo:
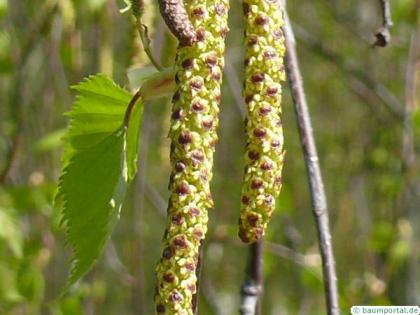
column 264, row 72
column 177, row 20
column 193, row 134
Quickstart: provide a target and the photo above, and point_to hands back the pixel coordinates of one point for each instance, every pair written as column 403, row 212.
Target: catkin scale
column 193, row 136
column 264, row 72
column 177, row 20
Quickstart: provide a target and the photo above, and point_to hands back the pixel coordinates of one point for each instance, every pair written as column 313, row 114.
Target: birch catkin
column 193, row 134
column 264, row 72
column 177, row 20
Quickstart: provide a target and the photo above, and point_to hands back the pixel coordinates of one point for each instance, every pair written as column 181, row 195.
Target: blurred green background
column 364, row 105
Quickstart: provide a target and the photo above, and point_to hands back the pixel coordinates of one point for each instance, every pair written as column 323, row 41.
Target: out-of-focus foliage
column 364, row 105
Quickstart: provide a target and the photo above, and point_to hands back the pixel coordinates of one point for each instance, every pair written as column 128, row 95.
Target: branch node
column 383, row 34
column 250, row 288
column 250, row 292
column 383, row 37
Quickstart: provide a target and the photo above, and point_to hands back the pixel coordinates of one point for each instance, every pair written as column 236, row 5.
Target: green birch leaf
column 100, row 158
column 98, row 111
column 92, row 186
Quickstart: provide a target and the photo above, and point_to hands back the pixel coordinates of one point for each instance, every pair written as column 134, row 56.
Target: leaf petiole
column 130, row 107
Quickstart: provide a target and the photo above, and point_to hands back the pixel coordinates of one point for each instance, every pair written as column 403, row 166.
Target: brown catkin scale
column 264, row 72
column 193, row 128
column 177, row 20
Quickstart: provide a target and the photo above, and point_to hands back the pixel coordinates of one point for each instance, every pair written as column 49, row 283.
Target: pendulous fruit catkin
column 264, row 72
column 193, row 133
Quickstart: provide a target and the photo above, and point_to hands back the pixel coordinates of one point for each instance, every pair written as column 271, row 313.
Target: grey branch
column 386, row 13
column 383, row 35
column 252, row 288
column 319, row 202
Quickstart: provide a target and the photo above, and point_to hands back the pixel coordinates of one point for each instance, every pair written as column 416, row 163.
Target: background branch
column 386, row 13
column 362, row 78
column 316, row 185
column 138, row 9
column 252, row 288
column 383, row 35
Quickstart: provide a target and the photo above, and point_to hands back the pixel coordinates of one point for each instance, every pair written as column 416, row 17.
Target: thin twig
column 387, row 98
column 144, row 36
column 386, row 13
column 130, row 107
column 383, row 34
column 319, row 201
column 137, row 7
column 251, row 290
column 309, row 260
column 347, row 20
